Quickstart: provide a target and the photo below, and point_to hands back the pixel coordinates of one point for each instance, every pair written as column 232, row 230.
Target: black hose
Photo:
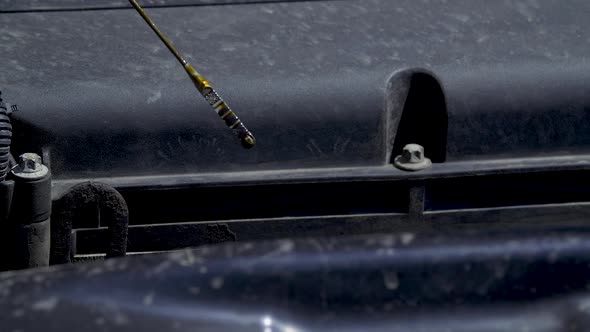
column 84, row 202
column 5, row 140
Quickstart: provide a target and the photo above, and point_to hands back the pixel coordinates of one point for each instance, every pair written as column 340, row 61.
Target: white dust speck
column 120, row 319
column 287, row 246
column 386, row 252
column 194, row 290
column 162, row 267
column 482, row 39
column 461, row 18
column 391, row 280
column 155, row 97
column 217, row 283
column 47, row 304
column 365, row 59
column 148, row 299
column 584, row 306
column 185, row 258
column 203, row 270
column 407, row 238
column 94, row 271
column 573, row 240
column 267, row 10
column 525, row 11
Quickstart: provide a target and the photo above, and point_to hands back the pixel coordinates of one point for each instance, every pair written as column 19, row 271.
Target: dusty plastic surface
column 497, row 88
column 10, row 6
column 313, row 81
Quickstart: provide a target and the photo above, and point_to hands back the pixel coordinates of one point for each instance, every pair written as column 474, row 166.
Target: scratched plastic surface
column 403, row 282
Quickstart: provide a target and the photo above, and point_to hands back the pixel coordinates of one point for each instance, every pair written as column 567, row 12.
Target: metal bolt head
column 413, row 153
column 412, row 158
column 30, row 166
column 30, row 163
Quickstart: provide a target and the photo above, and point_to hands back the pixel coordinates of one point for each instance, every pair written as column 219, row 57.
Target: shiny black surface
column 403, row 282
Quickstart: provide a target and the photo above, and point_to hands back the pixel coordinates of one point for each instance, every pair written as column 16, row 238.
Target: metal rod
column 163, row 38
column 215, row 101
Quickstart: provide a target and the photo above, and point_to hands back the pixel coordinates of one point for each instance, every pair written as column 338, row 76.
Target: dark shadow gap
column 424, row 119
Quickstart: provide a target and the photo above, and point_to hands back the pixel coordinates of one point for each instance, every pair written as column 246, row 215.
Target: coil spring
column 5, row 140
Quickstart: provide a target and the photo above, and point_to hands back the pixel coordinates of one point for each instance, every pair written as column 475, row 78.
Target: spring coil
column 5, row 140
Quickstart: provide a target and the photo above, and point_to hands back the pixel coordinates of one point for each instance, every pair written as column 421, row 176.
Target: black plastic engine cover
column 322, row 84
